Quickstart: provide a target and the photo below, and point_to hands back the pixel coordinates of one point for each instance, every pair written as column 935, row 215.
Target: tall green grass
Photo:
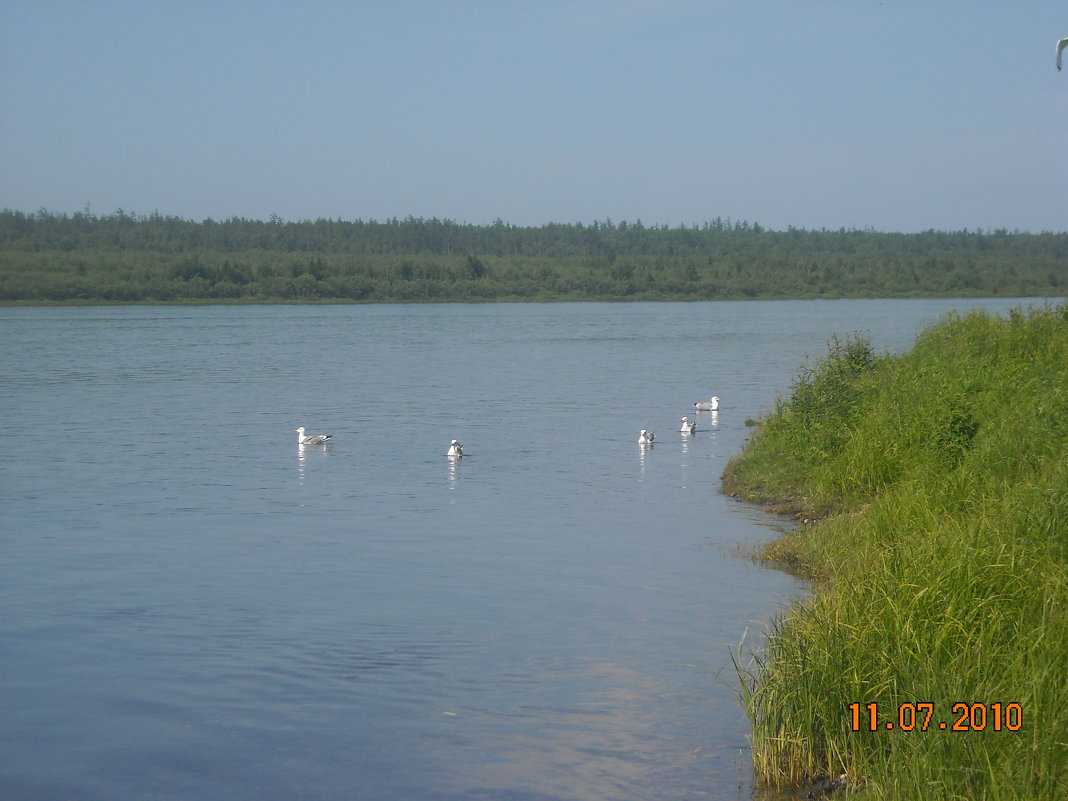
column 940, row 478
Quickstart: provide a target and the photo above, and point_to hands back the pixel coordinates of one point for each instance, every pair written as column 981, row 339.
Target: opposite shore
column 122, row 258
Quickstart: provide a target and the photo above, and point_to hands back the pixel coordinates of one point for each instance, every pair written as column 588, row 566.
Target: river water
column 192, row 607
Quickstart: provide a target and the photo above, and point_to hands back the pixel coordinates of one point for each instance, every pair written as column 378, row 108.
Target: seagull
column 315, row 439
column 646, row 437
column 1063, row 43
column 456, row 450
column 710, row 406
column 687, row 426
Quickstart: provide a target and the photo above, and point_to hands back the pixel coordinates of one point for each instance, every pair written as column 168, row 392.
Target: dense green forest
column 122, row 257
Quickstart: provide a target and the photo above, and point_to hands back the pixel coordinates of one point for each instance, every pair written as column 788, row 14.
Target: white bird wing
column 1063, row 43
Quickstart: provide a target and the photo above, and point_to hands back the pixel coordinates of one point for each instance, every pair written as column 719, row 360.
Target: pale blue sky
column 899, row 116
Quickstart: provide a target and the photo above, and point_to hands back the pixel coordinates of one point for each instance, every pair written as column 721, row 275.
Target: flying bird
column 1063, row 43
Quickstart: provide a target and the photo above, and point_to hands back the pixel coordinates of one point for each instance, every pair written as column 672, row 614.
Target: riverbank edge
column 797, row 745
column 460, row 299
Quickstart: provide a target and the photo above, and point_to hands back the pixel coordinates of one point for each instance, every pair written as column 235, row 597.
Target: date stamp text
column 922, row 716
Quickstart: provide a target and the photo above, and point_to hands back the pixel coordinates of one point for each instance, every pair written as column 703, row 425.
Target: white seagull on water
column 687, row 426
column 646, row 437
column 1063, row 43
column 456, row 450
column 314, row 439
column 707, row 406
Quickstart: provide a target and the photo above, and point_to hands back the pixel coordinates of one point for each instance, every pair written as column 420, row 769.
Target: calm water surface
column 192, row 608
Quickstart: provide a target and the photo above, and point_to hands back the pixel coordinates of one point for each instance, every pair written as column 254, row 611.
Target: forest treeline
column 122, row 257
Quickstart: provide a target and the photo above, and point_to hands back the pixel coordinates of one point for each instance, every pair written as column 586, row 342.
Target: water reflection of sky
column 607, row 743
column 550, row 619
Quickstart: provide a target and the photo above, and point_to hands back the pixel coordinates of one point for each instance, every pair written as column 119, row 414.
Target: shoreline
column 939, row 553
column 475, row 301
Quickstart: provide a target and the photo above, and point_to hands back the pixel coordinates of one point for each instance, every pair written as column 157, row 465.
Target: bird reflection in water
column 455, row 454
column 304, row 451
column 645, row 443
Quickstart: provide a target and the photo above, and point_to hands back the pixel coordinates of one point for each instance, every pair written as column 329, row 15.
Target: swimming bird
column 646, row 437
column 1063, row 43
column 456, row 450
column 314, row 439
column 687, row 426
column 709, row 406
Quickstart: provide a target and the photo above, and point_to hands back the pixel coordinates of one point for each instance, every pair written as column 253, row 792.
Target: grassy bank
column 939, row 481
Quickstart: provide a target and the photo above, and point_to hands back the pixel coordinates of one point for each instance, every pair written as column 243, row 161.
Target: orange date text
column 922, row 716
